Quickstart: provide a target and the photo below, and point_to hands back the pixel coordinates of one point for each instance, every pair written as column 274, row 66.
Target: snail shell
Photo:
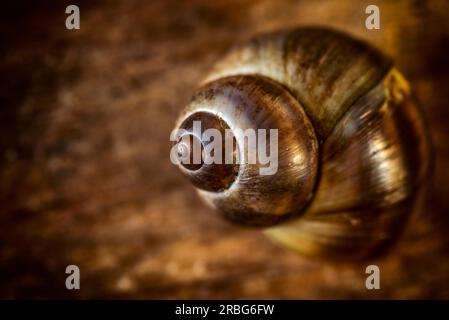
column 353, row 149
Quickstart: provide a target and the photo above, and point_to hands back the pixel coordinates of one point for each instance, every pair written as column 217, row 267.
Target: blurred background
column 85, row 174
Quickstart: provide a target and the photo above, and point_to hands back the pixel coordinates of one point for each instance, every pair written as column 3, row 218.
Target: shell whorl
column 254, row 102
column 326, row 70
column 347, row 113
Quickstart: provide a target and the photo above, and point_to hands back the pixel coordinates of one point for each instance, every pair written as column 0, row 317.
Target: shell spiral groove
column 353, row 151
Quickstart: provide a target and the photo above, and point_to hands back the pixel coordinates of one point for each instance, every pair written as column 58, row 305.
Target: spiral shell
column 353, row 149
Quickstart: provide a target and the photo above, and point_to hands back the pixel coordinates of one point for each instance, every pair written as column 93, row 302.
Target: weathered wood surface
column 85, row 176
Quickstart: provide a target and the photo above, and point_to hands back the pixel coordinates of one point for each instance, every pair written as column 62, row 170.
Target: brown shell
column 373, row 165
column 255, row 102
column 327, row 71
column 372, row 153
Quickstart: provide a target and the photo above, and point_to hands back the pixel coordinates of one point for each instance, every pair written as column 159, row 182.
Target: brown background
column 85, row 176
